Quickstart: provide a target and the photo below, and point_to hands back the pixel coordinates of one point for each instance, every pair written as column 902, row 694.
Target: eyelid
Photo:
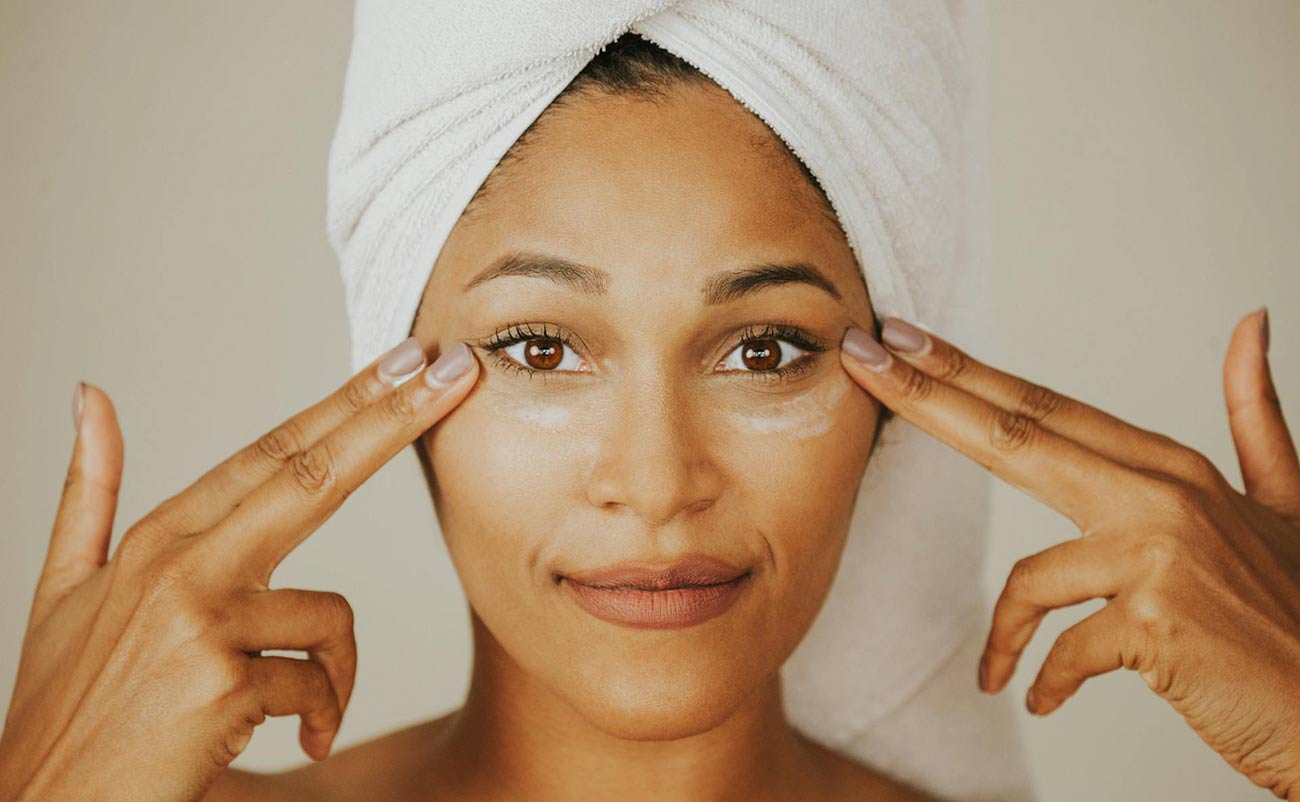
column 781, row 330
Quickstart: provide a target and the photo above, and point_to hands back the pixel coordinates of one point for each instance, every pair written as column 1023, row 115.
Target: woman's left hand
column 1202, row 583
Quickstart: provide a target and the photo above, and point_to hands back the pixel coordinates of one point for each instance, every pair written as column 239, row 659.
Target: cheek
column 799, row 462
column 799, row 454
column 504, row 466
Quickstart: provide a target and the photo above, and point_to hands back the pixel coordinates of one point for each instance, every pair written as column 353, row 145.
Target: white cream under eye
column 810, row 414
column 540, row 414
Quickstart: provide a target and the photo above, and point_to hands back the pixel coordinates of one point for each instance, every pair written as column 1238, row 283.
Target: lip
column 644, row 595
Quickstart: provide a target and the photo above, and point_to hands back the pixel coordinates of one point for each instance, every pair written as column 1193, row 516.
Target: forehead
column 659, row 193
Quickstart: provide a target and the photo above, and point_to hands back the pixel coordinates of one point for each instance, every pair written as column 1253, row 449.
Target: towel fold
column 883, row 101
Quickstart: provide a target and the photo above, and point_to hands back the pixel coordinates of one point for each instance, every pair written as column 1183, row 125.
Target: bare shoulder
column 382, row 768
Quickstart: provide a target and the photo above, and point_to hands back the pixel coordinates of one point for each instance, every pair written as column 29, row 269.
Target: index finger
column 1057, row 470
column 214, row 494
column 1097, row 429
column 286, row 509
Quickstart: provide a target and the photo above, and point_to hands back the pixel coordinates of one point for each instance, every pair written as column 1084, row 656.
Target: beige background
column 162, row 222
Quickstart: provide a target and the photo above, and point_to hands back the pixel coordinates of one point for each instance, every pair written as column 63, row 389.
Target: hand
column 141, row 677
column 1202, row 583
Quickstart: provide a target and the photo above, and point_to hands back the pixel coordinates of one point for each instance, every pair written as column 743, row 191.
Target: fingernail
column 78, row 401
column 984, row 673
column 903, row 336
column 404, row 358
column 864, row 348
column 449, row 365
column 1263, row 329
column 1031, row 701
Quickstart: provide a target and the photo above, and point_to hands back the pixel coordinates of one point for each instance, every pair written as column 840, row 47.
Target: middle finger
column 211, row 498
column 1058, row 471
column 279, row 514
column 1100, row 431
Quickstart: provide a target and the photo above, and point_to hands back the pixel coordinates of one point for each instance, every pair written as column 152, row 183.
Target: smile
column 658, row 608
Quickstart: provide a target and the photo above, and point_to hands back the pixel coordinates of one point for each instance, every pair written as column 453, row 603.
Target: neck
column 515, row 738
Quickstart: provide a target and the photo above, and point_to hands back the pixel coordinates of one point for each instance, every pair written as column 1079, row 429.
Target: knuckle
column 1038, row 403
column 241, row 713
column 399, row 406
column 1150, row 614
column 221, row 678
column 1065, row 651
column 194, row 622
column 162, row 575
column 232, row 744
column 953, row 364
column 280, row 443
column 1011, row 432
column 173, row 510
column 338, row 610
column 1183, row 502
column 138, row 543
column 1197, row 468
column 1158, row 554
column 353, row 397
column 313, row 470
column 916, row 386
column 184, row 622
column 1022, row 573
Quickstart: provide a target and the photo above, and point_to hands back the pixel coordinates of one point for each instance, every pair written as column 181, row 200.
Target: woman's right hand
column 140, row 676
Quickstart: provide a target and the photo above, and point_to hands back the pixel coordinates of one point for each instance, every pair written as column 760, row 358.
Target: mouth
column 682, row 593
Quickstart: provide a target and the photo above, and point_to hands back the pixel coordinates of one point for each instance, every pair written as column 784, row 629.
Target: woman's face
column 621, row 416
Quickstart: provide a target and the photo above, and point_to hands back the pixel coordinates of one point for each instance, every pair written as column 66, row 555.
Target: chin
column 659, row 705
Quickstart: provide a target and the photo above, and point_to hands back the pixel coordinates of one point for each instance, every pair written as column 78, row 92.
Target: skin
column 661, row 441
column 141, row 675
column 641, row 447
column 1202, row 581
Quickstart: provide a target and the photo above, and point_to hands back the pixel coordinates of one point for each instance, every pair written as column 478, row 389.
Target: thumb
column 83, row 524
column 1270, row 469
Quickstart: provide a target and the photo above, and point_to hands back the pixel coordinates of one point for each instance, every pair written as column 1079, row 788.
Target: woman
column 638, row 447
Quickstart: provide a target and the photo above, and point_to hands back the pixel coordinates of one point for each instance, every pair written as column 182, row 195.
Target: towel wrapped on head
column 882, row 101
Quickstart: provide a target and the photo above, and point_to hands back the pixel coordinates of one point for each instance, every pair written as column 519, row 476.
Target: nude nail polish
column 903, row 336
column 864, row 348
column 449, row 365
column 404, row 358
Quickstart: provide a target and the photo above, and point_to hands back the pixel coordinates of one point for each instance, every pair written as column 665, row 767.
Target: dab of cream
column 543, row 415
column 810, row 415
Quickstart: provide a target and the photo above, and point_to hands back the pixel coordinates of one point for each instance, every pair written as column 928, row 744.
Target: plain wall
column 162, row 226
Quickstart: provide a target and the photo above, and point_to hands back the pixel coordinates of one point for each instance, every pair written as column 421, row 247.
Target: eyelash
column 775, row 330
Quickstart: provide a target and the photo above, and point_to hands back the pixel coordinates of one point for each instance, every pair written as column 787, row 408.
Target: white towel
column 883, row 100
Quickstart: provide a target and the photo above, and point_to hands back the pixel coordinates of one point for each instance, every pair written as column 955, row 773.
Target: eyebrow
column 720, row 288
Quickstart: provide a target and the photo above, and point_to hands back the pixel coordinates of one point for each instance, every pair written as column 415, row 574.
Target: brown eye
column 761, row 354
column 544, row 353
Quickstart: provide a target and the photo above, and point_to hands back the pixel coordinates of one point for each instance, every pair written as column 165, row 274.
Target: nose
column 655, row 456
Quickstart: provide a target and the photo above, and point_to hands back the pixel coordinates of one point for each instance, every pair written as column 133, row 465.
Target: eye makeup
column 753, row 336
